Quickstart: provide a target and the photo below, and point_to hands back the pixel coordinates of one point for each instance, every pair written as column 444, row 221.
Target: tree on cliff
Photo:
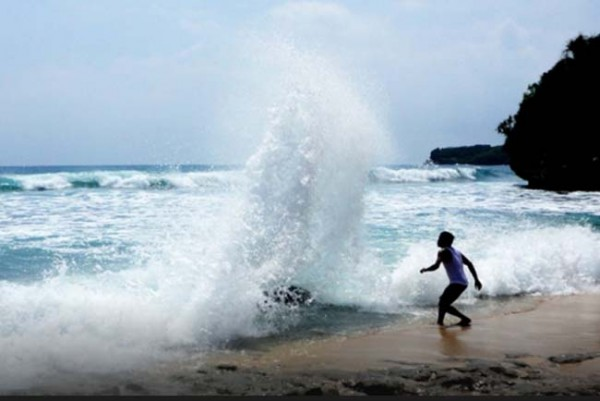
column 552, row 139
column 485, row 155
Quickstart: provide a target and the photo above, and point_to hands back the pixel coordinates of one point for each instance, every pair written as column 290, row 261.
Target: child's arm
column 434, row 266
column 472, row 270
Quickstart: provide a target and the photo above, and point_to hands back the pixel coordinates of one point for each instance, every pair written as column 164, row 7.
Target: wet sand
column 552, row 348
column 569, row 325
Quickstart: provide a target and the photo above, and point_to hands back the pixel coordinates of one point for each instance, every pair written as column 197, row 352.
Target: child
column 453, row 262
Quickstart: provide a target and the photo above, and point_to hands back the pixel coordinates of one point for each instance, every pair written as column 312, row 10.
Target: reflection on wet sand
column 451, row 344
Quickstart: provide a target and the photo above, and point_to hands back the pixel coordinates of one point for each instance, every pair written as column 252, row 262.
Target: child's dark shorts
column 451, row 293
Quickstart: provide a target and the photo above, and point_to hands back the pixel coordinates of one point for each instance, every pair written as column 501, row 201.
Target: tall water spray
column 302, row 217
column 299, row 219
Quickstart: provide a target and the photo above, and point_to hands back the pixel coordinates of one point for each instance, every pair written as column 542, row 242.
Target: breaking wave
column 430, row 174
column 120, row 180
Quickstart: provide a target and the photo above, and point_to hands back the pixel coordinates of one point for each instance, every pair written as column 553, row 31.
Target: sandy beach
column 549, row 348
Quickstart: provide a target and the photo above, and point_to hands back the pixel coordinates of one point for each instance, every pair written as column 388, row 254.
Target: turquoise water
column 135, row 261
column 114, row 228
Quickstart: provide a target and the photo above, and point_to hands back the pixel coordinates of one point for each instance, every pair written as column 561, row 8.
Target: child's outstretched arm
column 434, row 266
column 469, row 264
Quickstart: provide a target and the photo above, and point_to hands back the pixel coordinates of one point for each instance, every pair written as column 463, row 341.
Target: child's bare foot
column 465, row 322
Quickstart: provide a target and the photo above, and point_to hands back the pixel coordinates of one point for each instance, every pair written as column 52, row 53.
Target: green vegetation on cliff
column 552, row 140
column 477, row 154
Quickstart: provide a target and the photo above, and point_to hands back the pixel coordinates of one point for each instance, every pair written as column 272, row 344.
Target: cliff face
column 477, row 154
column 552, row 139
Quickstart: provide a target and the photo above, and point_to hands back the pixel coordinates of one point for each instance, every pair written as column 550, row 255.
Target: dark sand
column 551, row 348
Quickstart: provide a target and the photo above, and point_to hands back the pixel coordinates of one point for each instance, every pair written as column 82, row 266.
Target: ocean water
column 111, row 268
column 105, row 269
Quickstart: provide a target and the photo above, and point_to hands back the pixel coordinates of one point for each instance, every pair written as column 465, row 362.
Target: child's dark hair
column 445, row 239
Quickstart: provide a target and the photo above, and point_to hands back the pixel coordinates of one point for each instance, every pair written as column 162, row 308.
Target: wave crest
column 416, row 174
column 120, row 180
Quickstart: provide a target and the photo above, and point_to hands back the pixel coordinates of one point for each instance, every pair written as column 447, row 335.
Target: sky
column 180, row 81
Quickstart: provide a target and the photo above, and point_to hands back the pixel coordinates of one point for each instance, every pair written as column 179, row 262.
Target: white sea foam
column 75, row 321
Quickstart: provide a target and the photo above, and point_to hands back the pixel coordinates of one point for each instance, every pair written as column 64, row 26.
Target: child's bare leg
column 441, row 314
column 450, row 294
column 464, row 320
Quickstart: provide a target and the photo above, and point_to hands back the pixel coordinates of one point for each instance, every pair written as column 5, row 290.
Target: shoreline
column 550, row 348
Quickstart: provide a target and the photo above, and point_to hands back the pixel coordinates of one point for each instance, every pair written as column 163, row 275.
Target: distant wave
column 119, row 180
column 435, row 173
column 223, row 179
column 425, row 174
